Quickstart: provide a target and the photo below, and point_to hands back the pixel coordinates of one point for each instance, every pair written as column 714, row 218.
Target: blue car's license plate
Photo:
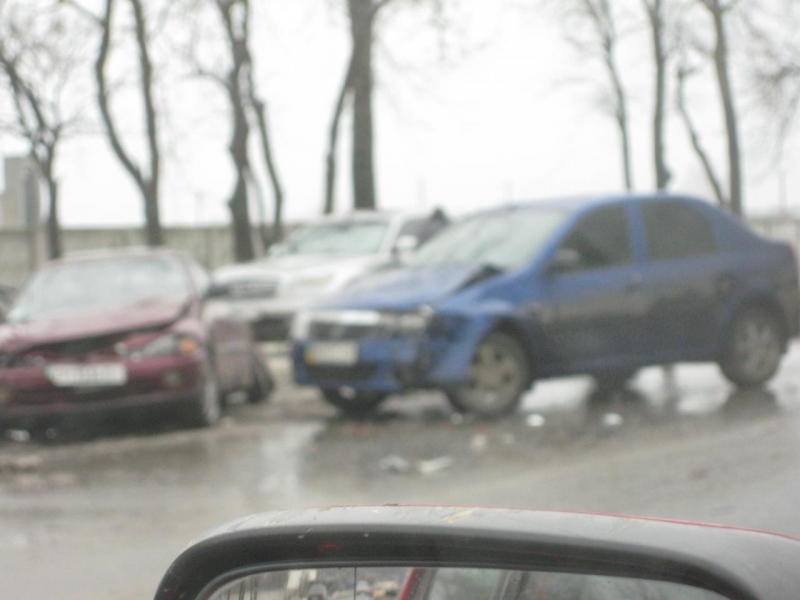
column 332, row 353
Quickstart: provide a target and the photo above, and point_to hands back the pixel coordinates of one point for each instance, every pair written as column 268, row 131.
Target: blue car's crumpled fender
column 451, row 351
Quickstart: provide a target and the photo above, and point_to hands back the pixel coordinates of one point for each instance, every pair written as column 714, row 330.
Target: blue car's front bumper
column 378, row 369
column 388, row 365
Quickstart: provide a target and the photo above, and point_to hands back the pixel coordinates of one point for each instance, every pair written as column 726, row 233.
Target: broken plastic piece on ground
column 434, row 465
column 478, row 442
column 612, row 420
column 535, row 420
column 18, row 435
column 394, row 464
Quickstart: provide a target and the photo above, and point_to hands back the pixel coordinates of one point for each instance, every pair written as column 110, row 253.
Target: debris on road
column 478, row 442
column 19, row 464
column 434, row 465
column 18, row 435
column 535, row 420
column 394, row 464
column 612, row 420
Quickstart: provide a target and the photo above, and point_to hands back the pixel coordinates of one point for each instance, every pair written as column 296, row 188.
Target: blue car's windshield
column 505, row 240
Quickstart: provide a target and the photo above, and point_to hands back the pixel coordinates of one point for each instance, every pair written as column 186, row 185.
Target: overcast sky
column 497, row 122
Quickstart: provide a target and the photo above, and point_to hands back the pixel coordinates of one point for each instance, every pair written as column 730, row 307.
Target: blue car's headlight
column 362, row 323
column 405, row 324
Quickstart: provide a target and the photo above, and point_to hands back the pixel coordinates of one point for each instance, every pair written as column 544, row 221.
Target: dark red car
column 130, row 328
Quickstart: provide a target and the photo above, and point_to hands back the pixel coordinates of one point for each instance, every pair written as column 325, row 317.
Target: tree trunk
column 333, row 138
column 153, row 231
column 656, row 17
column 54, row 249
column 238, row 203
column 147, row 184
column 155, row 236
column 731, row 118
column 260, row 109
column 622, row 120
column 361, row 23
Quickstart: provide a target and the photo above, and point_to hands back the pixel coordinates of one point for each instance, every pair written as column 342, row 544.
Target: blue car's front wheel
column 499, row 374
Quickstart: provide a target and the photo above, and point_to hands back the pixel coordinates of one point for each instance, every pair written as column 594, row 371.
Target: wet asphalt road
column 99, row 512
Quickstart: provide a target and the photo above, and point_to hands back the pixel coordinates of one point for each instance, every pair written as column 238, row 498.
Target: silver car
column 318, row 260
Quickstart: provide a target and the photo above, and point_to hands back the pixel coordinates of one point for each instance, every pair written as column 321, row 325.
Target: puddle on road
column 256, row 461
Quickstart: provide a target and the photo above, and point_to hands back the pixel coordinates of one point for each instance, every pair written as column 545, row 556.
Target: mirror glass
column 426, row 583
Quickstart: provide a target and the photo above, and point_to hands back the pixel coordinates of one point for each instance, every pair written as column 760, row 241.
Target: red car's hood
column 152, row 313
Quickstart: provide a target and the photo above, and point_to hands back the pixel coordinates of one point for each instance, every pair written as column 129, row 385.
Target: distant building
column 20, row 202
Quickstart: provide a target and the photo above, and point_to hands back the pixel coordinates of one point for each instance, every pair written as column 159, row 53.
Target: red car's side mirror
column 480, row 554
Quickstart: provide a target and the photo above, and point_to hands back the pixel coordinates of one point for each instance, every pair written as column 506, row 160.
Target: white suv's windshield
column 504, row 240
column 345, row 237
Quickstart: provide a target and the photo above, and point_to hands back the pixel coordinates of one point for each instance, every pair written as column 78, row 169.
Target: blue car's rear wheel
column 353, row 403
column 499, row 374
column 754, row 348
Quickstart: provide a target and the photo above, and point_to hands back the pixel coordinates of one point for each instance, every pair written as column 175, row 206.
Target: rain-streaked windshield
column 504, row 240
column 347, row 237
column 94, row 284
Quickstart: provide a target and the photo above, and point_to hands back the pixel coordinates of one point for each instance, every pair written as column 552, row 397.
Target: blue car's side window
column 675, row 230
column 601, row 239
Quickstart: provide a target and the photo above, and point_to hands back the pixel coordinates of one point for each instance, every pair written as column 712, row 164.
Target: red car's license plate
column 98, row 375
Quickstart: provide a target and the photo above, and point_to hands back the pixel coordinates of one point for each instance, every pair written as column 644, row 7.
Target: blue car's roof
column 573, row 203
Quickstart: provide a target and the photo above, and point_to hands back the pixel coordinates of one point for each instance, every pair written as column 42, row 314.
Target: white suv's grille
column 253, row 289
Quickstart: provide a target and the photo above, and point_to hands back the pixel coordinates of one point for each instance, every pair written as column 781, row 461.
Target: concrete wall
column 20, row 251
column 19, row 202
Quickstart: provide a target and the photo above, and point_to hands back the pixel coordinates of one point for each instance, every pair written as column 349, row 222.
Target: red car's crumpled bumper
column 28, row 392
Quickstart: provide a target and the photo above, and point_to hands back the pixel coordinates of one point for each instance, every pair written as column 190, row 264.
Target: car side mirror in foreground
column 564, row 260
column 479, row 554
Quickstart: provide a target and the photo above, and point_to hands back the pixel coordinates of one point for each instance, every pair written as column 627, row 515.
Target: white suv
column 318, row 260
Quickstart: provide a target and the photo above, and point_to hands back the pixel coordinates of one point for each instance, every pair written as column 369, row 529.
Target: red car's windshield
column 89, row 285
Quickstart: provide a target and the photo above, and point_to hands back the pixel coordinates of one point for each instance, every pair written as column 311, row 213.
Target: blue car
column 600, row 286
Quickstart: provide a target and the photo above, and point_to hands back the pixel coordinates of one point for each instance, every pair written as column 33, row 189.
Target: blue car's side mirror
column 565, row 260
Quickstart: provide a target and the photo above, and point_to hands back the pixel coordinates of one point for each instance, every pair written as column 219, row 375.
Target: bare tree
column 592, row 28
column 656, row 18
column 358, row 86
column 719, row 11
column 333, row 138
column 40, row 59
column 147, row 179
column 227, row 27
column 774, row 66
column 684, row 72
column 362, row 15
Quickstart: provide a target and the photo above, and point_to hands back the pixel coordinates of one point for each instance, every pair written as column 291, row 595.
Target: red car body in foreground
column 131, row 328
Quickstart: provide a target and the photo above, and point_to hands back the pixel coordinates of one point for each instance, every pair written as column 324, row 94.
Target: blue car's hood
column 408, row 288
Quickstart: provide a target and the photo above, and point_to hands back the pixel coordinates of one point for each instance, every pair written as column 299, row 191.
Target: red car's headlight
column 175, row 344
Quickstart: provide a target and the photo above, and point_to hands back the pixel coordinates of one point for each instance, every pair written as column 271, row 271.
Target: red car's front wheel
column 206, row 408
